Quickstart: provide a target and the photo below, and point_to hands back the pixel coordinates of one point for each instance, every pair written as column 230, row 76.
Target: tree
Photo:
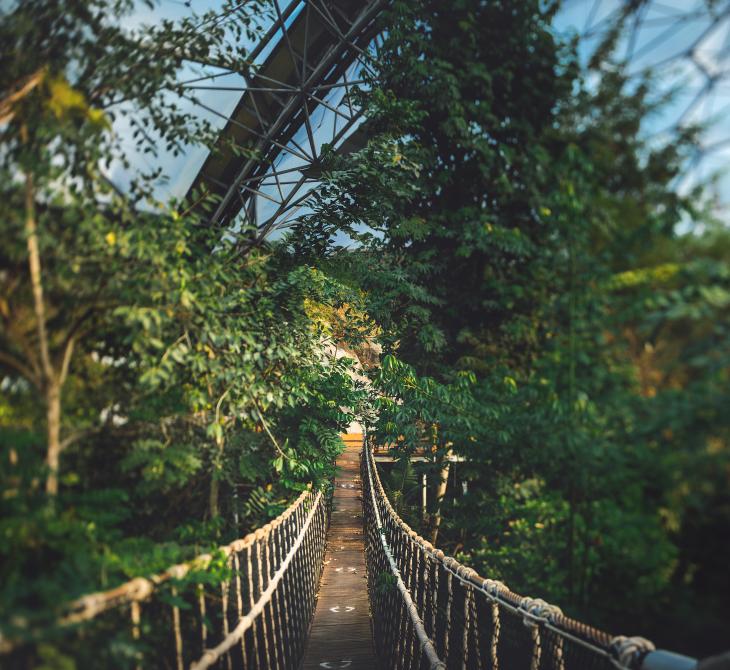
column 69, row 72
column 175, row 380
column 516, row 227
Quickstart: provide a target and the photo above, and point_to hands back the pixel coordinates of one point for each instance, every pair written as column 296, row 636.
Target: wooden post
column 440, row 494
column 424, row 497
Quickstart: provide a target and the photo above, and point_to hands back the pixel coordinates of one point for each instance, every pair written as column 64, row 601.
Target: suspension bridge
column 338, row 580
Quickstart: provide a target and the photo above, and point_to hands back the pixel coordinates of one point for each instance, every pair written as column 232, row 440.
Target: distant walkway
column 341, row 634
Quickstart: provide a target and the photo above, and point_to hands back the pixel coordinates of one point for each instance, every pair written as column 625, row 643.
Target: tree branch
column 70, row 341
column 78, row 435
column 20, row 341
column 268, row 432
column 20, row 367
column 6, row 104
column 66, row 360
column 220, row 401
column 34, row 262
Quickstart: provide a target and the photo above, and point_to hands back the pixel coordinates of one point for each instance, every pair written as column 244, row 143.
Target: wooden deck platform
column 341, row 635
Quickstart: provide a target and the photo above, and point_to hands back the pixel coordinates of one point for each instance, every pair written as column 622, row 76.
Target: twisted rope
column 547, row 638
column 269, row 596
column 210, row 656
column 426, row 647
column 141, row 588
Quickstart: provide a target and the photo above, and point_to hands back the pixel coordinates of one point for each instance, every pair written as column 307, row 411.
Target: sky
column 687, row 47
column 180, row 170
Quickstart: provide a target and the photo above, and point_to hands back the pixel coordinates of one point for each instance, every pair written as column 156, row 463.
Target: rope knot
column 629, row 651
column 464, row 572
column 178, row 571
column 141, row 588
column 450, row 563
column 494, row 586
column 537, row 608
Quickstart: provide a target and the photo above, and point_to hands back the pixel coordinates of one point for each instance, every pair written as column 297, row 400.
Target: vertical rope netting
column 254, row 594
column 135, row 613
column 470, row 622
column 264, row 603
column 201, row 609
column 239, row 604
column 401, row 547
column 495, row 636
column 288, row 621
column 449, row 602
column 465, row 632
column 270, row 576
column 280, row 603
column 224, row 611
column 262, row 574
column 475, row 628
column 177, row 632
column 272, row 624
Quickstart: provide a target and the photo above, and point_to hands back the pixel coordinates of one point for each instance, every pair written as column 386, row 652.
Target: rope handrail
column 210, row 656
column 425, row 642
column 141, row 588
column 262, row 604
column 457, row 607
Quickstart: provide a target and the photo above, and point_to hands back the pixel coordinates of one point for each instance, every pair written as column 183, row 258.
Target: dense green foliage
column 544, row 319
column 519, row 257
column 164, row 390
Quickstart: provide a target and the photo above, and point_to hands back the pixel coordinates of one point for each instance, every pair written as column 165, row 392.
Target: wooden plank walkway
column 341, row 635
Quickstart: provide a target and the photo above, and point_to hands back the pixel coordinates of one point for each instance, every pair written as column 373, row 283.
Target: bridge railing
column 431, row 612
column 248, row 605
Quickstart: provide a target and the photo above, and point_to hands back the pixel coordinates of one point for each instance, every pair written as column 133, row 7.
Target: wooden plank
column 341, row 635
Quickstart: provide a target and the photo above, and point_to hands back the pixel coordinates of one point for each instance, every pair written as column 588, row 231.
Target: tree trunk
column 53, row 420
column 424, row 498
column 215, row 488
column 50, row 381
column 571, row 541
column 215, row 479
column 440, row 494
column 585, row 551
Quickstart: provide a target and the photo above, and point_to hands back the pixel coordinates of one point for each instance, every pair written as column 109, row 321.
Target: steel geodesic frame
column 685, row 44
column 297, row 99
column 296, row 95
